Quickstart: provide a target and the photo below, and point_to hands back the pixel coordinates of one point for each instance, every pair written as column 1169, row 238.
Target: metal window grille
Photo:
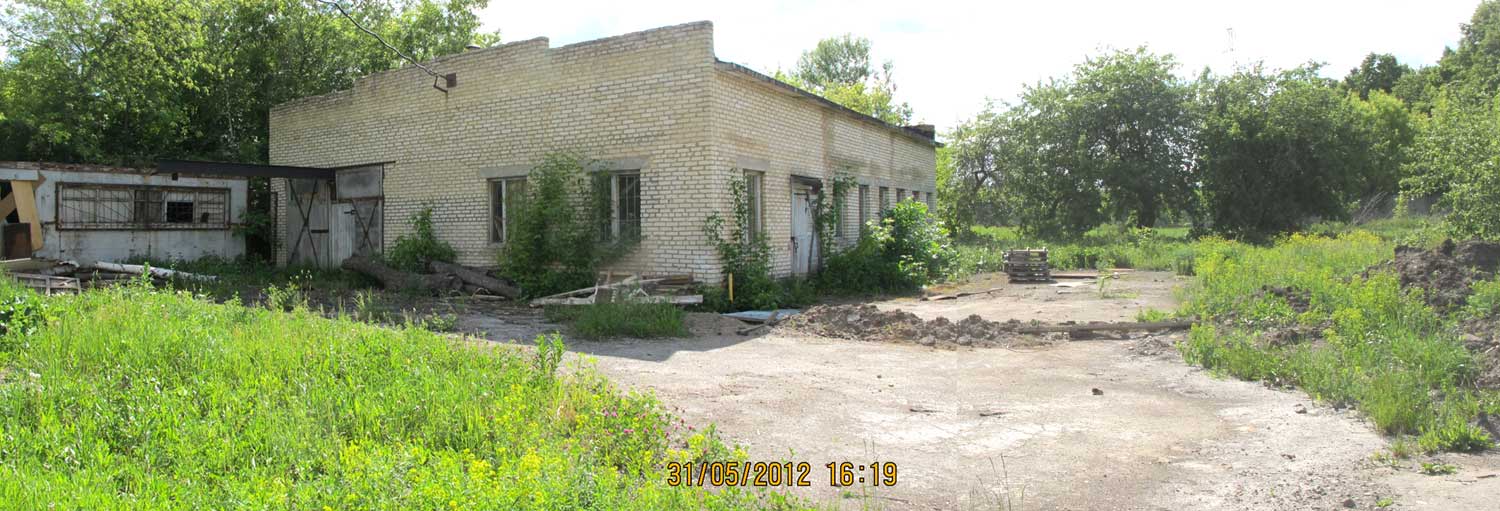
column 116, row 207
column 628, row 205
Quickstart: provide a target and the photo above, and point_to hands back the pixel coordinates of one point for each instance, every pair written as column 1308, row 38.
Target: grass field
column 132, row 398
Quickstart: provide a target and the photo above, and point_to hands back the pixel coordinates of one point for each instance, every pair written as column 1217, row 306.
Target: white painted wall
column 88, row 246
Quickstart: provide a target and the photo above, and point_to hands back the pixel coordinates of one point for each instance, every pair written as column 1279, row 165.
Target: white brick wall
column 654, row 96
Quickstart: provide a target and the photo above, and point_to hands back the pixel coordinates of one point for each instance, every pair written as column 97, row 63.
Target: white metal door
column 804, row 236
column 343, row 232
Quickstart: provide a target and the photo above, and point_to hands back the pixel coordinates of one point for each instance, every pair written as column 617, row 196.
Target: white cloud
column 949, row 55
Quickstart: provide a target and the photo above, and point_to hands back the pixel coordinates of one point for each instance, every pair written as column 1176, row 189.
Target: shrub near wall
column 905, row 250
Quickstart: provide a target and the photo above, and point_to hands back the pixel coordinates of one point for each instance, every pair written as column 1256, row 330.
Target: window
column 900, row 194
column 100, row 206
column 625, row 198
column 916, row 196
column 864, row 205
column 755, row 182
column 885, row 199
column 506, row 198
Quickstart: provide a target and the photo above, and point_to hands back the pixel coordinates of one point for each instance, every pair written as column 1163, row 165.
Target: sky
column 950, row 57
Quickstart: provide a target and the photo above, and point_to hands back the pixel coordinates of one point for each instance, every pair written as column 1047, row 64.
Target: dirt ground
column 1117, row 424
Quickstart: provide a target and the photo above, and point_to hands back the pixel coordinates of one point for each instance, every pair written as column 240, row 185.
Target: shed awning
column 189, row 167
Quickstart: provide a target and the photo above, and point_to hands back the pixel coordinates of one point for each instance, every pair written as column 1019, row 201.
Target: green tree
column 1133, row 130
column 130, row 81
column 1378, row 72
column 1456, row 159
column 1388, row 130
column 970, row 171
column 839, row 69
column 1475, row 64
column 1109, row 141
column 1276, row 150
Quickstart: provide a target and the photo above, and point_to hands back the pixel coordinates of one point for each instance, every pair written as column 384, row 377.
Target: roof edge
column 908, row 131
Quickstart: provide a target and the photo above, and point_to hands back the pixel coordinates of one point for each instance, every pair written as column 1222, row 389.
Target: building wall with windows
column 655, row 110
column 636, row 104
column 786, row 135
column 94, row 213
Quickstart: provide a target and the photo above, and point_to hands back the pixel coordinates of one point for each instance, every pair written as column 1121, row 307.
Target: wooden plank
column 1096, row 327
column 674, row 300
column 25, row 194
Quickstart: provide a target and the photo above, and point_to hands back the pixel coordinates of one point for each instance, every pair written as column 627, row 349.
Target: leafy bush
column 1456, row 157
column 907, row 249
column 139, row 399
column 622, row 319
column 412, row 252
column 1485, row 301
column 555, row 242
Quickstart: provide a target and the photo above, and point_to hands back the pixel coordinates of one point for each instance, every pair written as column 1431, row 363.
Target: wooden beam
column 1095, row 327
column 25, row 195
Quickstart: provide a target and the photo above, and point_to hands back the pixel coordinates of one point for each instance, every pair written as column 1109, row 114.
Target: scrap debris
column 867, row 323
column 56, row 277
column 632, row 288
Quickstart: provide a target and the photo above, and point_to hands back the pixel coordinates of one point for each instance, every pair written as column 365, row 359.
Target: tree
column 130, row 81
column 839, row 69
column 1475, row 63
column 1109, row 141
column 1456, row 158
column 971, row 171
column 1275, row 151
column 1387, row 129
column 1133, row 128
column 1378, row 72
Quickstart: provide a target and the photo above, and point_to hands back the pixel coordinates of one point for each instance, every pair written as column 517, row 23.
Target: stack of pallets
column 1029, row 265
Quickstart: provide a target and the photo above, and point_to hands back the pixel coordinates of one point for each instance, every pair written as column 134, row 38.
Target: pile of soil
column 1299, row 299
column 867, row 323
column 1446, row 272
column 1445, row 275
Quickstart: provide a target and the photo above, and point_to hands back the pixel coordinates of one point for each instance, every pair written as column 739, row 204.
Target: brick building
column 656, row 109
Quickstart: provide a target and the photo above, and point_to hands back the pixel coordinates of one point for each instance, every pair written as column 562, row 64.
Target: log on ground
column 391, row 278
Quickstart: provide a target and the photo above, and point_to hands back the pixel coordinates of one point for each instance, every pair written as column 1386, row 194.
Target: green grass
column 1383, row 349
column 234, row 276
column 1167, row 249
column 628, row 319
column 132, row 398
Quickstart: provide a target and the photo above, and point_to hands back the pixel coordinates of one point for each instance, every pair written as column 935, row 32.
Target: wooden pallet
column 1028, row 265
column 48, row 284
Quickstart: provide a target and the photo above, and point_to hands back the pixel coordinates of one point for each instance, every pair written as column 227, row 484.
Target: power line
column 434, row 74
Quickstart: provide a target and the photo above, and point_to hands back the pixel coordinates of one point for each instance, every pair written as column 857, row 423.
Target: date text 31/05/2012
column 785, row 473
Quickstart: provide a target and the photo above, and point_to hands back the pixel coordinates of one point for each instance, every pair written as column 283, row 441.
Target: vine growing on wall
column 831, row 212
column 743, row 252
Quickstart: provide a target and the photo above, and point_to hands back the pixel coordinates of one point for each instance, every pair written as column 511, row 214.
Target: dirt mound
column 1445, row 273
column 867, row 323
column 1299, row 299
